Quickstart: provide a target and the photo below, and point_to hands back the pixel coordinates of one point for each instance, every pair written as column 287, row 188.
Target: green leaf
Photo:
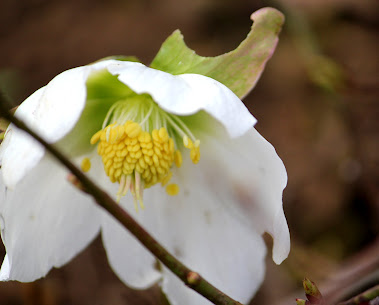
column 240, row 69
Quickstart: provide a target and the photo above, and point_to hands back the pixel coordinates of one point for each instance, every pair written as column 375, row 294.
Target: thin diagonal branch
column 190, row 278
column 366, row 296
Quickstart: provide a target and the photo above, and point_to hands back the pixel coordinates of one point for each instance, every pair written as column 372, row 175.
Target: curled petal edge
column 187, row 94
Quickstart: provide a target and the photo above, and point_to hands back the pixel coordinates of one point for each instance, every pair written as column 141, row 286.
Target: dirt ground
column 317, row 103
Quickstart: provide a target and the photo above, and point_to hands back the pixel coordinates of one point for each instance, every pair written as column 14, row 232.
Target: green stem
column 189, row 277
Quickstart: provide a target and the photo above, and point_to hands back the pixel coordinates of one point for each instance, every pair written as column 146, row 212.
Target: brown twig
column 354, row 274
column 190, row 278
column 366, row 296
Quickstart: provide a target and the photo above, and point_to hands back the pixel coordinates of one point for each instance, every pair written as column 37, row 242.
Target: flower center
column 137, row 155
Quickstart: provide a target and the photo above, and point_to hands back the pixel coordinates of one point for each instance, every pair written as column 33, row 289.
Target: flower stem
column 192, row 279
column 366, row 296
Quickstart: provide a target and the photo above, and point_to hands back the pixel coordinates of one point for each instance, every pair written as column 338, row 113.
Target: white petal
column 215, row 244
column 45, row 222
column 61, row 104
column 187, row 94
column 4, row 271
column 63, row 101
column 131, row 262
column 52, row 112
column 256, row 176
column 196, row 228
column 19, row 152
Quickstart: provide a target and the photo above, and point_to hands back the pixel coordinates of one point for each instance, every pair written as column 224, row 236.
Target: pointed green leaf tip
column 240, row 69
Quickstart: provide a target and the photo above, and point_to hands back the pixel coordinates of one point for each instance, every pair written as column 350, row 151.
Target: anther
column 172, row 189
column 187, row 142
column 86, row 165
column 166, row 179
column 178, row 158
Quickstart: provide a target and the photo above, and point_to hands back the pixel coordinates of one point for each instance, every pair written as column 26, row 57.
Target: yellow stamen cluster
column 127, row 150
column 138, row 159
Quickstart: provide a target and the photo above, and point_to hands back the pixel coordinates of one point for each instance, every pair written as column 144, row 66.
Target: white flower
column 224, row 200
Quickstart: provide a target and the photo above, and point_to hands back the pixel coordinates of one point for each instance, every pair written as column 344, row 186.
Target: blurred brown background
column 316, row 103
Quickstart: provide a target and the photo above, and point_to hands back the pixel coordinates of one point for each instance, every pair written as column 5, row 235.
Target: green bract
column 240, row 69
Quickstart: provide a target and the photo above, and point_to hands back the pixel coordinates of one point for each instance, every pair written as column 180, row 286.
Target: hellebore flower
column 138, row 129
